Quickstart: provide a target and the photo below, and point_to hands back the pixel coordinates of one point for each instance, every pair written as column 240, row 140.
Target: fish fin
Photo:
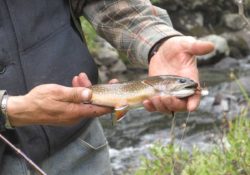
column 119, row 113
column 146, row 82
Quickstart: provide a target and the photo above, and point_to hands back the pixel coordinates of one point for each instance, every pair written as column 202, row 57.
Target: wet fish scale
column 134, row 92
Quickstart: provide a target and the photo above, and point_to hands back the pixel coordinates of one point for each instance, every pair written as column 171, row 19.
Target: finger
column 159, row 105
column 201, row 47
column 81, row 111
column 193, row 102
column 148, row 105
column 75, row 112
column 174, row 104
column 75, row 82
column 96, row 111
column 113, row 81
column 84, row 80
column 76, row 94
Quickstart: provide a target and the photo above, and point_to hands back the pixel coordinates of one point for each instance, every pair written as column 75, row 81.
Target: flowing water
column 131, row 138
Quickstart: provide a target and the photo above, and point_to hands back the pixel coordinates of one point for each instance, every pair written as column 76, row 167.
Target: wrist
column 157, row 46
column 155, row 49
column 5, row 123
column 15, row 110
column 4, row 105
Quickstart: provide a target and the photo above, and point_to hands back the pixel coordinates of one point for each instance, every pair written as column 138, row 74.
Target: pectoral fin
column 119, row 113
column 146, row 82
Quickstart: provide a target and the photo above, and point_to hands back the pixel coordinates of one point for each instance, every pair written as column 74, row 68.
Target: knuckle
column 75, row 94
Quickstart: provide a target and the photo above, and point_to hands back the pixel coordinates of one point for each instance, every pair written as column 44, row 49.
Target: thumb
column 201, row 47
column 77, row 94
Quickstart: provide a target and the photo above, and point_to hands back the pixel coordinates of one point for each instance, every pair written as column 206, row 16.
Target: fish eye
column 182, row 80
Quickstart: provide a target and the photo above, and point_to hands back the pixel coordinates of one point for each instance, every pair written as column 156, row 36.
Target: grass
column 232, row 157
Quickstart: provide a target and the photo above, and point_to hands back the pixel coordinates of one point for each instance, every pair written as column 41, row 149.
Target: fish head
column 173, row 85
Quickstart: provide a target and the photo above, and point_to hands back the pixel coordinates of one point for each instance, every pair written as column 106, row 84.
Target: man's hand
column 176, row 56
column 53, row 104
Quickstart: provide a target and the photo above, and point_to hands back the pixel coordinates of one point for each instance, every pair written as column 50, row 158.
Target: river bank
column 139, row 130
column 216, row 21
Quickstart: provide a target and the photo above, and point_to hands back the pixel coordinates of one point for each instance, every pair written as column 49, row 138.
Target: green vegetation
column 225, row 161
column 155, row 1
column 90, row 35
column 229, row 160
column 232, row 157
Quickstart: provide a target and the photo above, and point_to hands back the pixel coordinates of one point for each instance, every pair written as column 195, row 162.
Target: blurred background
column 225, row 73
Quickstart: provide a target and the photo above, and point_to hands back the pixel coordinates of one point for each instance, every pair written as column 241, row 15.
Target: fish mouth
column 185, row 91
column 191, row 86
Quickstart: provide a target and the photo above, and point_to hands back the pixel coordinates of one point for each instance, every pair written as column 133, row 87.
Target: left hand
column 176, row 56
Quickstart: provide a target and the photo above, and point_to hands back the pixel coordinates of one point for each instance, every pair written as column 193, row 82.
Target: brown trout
column 126, row 95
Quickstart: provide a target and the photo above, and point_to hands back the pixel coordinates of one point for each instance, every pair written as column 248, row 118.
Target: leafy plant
column 90, row 34
column 235, row 160
column 232, row 158
column 166, row 160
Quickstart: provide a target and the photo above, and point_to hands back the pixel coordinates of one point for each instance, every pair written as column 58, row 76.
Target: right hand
column 53, row 104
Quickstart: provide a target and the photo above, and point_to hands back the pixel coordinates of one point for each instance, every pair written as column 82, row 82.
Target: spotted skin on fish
column 126, row 95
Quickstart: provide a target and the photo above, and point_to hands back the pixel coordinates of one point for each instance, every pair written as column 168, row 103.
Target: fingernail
column 86, row 94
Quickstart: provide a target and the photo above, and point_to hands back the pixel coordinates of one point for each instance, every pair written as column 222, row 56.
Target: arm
column 134, row 27
column 52, row 104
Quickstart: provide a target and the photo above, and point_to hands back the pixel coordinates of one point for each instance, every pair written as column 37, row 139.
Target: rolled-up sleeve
column 132, row 26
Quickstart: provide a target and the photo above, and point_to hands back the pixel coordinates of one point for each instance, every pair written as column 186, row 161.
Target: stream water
column 132, row 137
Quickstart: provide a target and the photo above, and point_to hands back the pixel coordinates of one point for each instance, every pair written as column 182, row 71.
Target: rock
column 224, row 105
column 227, row 63
column 245, row 83
column 108, row 61
column 234, row 21
column 190, row 23
column 245, row 63
column 191, row 20
column 106, row 54
column 238, row 43
column 225, row 99
column 218, row 16
column 118, row 67
column 221, row 50
column 192, row 4
column 102, row 72
column 134, row 135
column 206, row 104
column 218, row 99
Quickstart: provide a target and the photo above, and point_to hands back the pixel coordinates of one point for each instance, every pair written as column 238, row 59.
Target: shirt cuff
column 147, row 39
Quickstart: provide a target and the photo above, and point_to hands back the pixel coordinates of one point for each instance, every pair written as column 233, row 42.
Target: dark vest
column 39, row 44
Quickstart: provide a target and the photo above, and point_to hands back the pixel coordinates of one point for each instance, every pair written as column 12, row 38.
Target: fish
column 124, row 96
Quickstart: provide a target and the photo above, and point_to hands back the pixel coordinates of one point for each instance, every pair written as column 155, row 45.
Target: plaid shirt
column 132, row 26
